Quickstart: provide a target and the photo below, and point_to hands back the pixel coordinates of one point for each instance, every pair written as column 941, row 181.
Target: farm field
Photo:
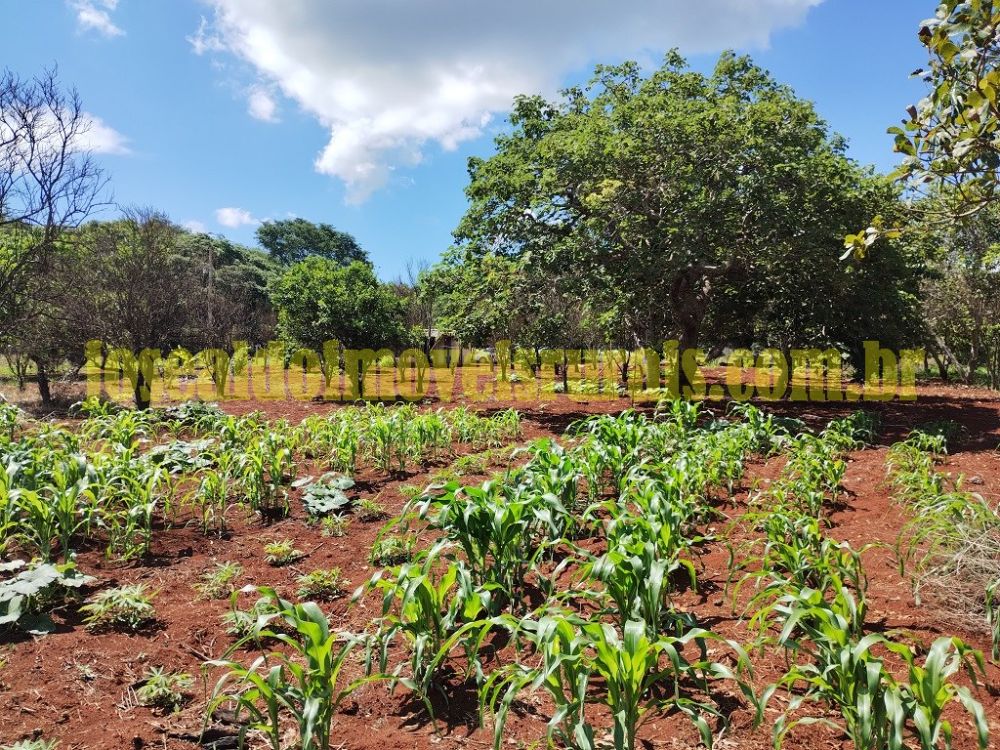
column 605, row 534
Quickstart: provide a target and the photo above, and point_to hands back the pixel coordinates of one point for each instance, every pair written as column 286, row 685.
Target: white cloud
column 193, row 225
column 101, row 138
column 261, row 105
column 95, row 15
column 205, row 40
column 387, row 77
column 234, row 218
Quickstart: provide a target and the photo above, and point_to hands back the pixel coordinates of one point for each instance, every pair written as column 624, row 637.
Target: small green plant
column 326, row 495
column 244, row 623
column 26, row 598
column 370, row 510
column 321, row 584
column 217, row 583
column 38, row 744
column 993, row 616
column 335, row 526
column 946, row 429
column 393, row 549
column 410, row 491
column 282, row 553
column 164, row 690
column 123, row 608
column 303, row 680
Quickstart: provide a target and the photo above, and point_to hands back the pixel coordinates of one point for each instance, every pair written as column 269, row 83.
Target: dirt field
column 78, row 687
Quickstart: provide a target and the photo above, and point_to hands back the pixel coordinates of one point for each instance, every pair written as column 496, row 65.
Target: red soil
column 77, row 686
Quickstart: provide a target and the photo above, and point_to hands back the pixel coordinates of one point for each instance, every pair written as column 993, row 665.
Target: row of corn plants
column 810, row 600
column 952, row 544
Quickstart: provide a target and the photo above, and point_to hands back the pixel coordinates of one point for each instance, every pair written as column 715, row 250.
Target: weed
column 369, row 510
column 124, row 608
column 321, row 584
column 391, row 550
column 164, row 690
column 335, row 526
column 217, row 583
column 282, row 553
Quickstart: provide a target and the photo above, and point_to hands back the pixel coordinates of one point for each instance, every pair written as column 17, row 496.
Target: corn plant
column 496, row 528
column 636, row 578
column 573, row 654
column 875, row 708
column 211, row 497
column 429, row 611
column 302, row 681
column 795, row 556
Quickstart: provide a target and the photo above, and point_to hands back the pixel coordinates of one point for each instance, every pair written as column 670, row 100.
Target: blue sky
column 362, row 113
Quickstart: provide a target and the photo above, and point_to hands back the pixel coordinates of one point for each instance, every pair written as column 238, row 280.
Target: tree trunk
column 142, row 398
column 942, row 366
column 690, row 335
column 44, row 385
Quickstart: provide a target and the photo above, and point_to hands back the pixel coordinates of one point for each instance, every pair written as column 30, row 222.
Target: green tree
column 961, row 292
column 234, row 299
column 653, row 194
column 319, row 300
column 949, row 140
column 292, row 240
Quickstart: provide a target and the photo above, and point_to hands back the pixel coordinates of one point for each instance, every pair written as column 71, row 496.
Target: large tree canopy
column 654, row 193
column 291, row 240
column 319, row 300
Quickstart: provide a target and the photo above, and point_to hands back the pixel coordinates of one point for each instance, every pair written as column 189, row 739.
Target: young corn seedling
column 574, row 654
column 301, row 682
column 877, row 711
column 429, row 610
